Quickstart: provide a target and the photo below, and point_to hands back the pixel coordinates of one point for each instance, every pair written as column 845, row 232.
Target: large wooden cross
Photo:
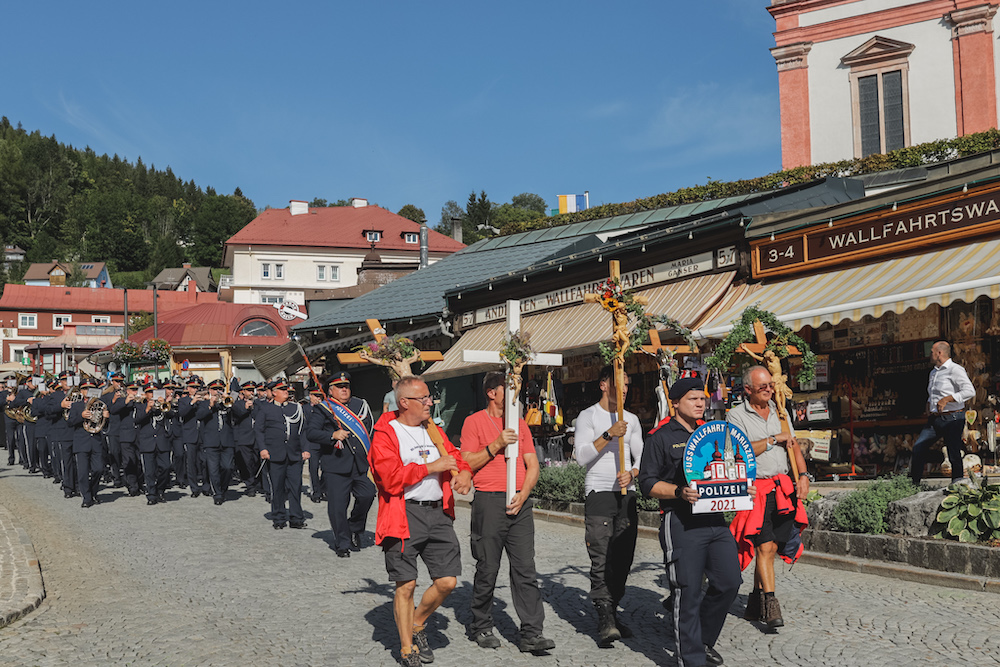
column 398, row 367
column 512, row 402
column 620, row 337
column 758, row 350
column 663, row 354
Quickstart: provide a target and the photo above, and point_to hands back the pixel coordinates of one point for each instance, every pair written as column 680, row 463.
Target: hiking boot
column 623, row 629
column 536, row 643
column 411, row 659
column 486, row 639
column 607, row 633
column 420, row 644
column 755, row 606
column 772, row 612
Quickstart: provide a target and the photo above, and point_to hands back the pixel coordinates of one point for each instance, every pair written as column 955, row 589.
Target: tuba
column 97, row 421
column 73, row 395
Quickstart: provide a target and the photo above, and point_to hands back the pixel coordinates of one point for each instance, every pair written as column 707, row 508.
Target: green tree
column 450, row 210
column 478, row 218
column 318, row 203
column 217, row 219
column 77, row 276
column 510, row 219
column 411, row 212
column 530, row 202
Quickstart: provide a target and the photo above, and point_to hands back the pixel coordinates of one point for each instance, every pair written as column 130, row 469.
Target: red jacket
column 749, row 522
column 392, row 477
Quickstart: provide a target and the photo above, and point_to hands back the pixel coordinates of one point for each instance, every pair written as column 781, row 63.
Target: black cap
column 340, row 377
column 683, row 386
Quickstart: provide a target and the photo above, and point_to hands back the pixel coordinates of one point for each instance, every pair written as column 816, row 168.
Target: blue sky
column 406, row 102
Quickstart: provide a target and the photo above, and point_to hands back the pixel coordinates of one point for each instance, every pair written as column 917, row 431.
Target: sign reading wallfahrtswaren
column 881, row 232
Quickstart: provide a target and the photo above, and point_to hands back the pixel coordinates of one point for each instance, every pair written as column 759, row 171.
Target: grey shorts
column 432, row 538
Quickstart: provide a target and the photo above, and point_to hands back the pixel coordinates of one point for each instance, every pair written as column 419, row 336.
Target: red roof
column 337, row 227
column 217, row 325
column 95, row 299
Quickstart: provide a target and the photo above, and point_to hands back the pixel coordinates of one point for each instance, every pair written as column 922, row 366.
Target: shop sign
column 639, row 279
column 881, row 233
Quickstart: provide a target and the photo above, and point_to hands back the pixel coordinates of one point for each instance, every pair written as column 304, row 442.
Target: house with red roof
column 34, row 313
column 285, row 254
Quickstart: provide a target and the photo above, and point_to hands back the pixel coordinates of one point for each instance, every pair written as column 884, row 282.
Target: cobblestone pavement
column 189, row 583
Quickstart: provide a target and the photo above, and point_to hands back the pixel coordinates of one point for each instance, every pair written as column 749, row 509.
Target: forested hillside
column 66, row 203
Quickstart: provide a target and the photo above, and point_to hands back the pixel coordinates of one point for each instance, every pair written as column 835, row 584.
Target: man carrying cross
column 498, row 526
column 611, row 522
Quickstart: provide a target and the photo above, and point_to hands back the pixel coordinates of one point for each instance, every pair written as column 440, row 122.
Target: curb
column 836, row 562
column 21, row 587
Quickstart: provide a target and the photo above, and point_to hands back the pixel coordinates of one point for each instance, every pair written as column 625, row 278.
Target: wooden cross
column 620, row 337
column 398, row 367
column 512, row 402
column 782, row 391
column 663, row 354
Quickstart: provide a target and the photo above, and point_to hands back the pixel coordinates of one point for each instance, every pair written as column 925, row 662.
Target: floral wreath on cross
column 516, row 351
column 390, row 348
column 721, row 359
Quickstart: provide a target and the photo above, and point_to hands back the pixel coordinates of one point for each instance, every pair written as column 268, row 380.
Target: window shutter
column 868, row 107
column 892, row 90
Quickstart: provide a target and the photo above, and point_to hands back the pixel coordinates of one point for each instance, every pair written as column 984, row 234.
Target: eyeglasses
column 769, row 385
column 427, row 400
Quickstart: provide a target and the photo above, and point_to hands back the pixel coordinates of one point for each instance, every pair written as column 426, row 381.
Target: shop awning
column 584, row 324
column 956, row 274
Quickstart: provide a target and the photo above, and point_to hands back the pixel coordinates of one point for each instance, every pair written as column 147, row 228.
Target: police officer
column 187, row 408
column 214, row 426
column 694, row 545
column 124, row 408
column 241, row 417
column 88, row 448
column 344, row 460
column 154, row 445
column 279, row 431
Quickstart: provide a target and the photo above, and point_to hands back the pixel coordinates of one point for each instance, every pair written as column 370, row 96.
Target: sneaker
column 535, row 644
column 420, row 644
column 486, row 639
column 411, row 659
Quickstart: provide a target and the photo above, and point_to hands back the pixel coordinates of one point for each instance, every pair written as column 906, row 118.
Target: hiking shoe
column 486, row 639
column 772, row 613
column 411, row 659
column 420, row 643
column 536, row 643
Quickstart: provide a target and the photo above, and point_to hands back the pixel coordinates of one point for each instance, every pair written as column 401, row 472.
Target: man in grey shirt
column 777, row 495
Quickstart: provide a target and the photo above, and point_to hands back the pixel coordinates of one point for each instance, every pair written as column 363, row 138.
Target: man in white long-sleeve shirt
column 611, row 518
column 948, row 390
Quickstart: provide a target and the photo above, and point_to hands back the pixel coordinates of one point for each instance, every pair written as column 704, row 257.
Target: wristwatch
column 769, row 445
column 606, row 436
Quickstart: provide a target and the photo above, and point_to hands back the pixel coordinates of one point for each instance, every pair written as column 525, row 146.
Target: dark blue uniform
column 125, row 410
column 114, row 448
column 60, row 435
column 154, row 448
column 345, row 471
column 279, row 429
column 88, row 451
column 216, row 446
column 42, row 425
column 24, row 433
column 243, row 437
column 694, row 545
column 197, row 478
column 8, row 425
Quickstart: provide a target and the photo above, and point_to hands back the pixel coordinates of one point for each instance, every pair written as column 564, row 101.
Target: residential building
column 283, row 254
column 56, row 273
column 858, row 77
column 12, row 253
column 31, row 313
column 186, row 279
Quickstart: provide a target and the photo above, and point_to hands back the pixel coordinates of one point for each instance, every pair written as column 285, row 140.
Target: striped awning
column 956, row 274
column 584, row 324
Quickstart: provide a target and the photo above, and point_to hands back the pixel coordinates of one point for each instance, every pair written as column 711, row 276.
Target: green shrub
column 864, row 510
column 969, row 514
column 561, row 483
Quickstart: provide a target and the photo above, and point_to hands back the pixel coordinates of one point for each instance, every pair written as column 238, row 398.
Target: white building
column 285, row 253
column 858, row 77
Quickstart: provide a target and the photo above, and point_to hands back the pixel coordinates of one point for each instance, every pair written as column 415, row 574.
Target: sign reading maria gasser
column 719, row 464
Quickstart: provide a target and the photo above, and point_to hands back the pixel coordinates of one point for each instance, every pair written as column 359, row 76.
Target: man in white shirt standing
column 611, row 521
column 948, row 389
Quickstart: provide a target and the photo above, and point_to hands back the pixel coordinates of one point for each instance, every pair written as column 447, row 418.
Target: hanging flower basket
column 156, row 349
column 125, row 351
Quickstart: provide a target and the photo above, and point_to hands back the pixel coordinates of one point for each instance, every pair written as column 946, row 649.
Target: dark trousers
column 115, row 459
column 317, row 485
column 131, row 466
column 226, row 464
column 339, row 489
column 69, row 467
column 197, row 476
column 219, row 464
column 32, row 445
column 286, row 488
column 89, row 468
column 56, row 460
column 156, row 469
column 950, row 428
column 179, row 464
column 10, row 427
column 23, row 435
column 44, row 455
column 493, row 532
column 611, row 527
column 247, row 463
column 696, row 618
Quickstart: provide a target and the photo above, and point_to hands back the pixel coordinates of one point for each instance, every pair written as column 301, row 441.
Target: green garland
column 516, row 348
column 722, row 358
column 640, row 334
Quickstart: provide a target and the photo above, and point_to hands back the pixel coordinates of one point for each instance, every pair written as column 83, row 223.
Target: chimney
column 357, row 202
column 456, row 229
column 423, row 244
column 186, row 265
column 297, row 207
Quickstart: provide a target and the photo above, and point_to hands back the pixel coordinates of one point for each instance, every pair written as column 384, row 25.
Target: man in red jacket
column 416, row 468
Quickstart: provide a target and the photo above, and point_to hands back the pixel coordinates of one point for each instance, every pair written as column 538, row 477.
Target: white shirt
column 415, row 446
column 949, row 379
column 602, row 466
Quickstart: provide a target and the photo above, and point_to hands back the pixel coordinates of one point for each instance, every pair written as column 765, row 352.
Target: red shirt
column 478, row 431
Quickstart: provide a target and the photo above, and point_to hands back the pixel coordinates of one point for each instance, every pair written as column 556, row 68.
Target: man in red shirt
column 497, row 526
column 416, row 510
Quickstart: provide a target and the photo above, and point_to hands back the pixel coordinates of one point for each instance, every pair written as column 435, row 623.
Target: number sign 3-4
column 780, row 253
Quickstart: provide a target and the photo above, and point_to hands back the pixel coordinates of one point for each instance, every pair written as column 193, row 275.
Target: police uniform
column 279, row 430
column 694, row 545
column 43, row 426
column 114, row 458
column 214, row 426
column 88, row 451
column 345, row 472
column 59, row 433
column 187, row 410
column 154, row 447
column 247, row 460
column 124, row 408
